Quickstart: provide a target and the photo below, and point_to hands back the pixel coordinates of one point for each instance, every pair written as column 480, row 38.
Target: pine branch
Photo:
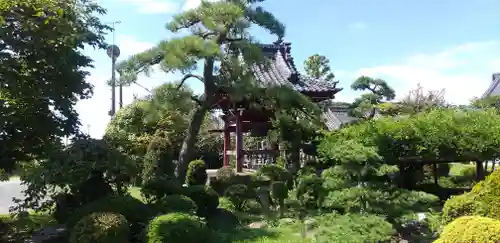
column 188, row 76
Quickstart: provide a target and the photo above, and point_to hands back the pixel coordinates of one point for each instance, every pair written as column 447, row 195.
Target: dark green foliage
column 178, row 228
column 394, row 203
column 42, row 78
column 176, row 203
column 222, row 219
column 135, row 211
column 463, row 205
column 196, row 173
column 310, row 191
column 366, row 105
column 336, row 178
column 158, row 187
column 353, row 228
column 101, row 228
column 206, row 199
column 279, row 192
column 158, row 159
column 225, row 174
column 88, row 169
column 237, row 194
column 274, row 172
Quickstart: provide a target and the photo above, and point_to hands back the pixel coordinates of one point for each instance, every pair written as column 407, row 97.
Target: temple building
column 280, row 70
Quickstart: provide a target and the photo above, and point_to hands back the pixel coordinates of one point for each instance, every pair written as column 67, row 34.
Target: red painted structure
column 280, row 70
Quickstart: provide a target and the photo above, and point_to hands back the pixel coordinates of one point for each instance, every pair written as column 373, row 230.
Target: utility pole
column 114, row 52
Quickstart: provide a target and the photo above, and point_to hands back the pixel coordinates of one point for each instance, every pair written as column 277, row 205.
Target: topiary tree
column 196, row 173
column 176, row 203
column 353, row 228
column 310, row 191
column 274, row 172
column 462, row 205
column 279, row 192
column 237, row 194
column 158, row 187
column 178, row 228
column 136, row 212
column 101, row 228
column 217, row 29
column 471, row 229
column 206, row 199
column 488, row 192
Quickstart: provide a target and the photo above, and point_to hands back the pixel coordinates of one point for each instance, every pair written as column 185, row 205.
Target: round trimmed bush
column 136, row 212
column 196, row 173
column 237, row 194
column 176, row 228
column 156, row 188
column 462, row 205
column 176, row 203
column 488, row 192
column 206, row 199
column 101, row 228
column 274, row 172
column 471, row 229
column 225, row 174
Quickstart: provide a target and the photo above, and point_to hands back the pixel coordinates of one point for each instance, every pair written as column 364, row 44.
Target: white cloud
column 94, row 112
column 154, row 6
column 464, row 71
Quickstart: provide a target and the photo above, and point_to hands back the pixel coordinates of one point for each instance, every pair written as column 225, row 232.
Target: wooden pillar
column 479, row 170
column 239, row 143
column 227, row 139
column 435, row 173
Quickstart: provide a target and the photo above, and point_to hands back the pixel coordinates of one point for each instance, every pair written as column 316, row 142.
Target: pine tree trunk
column 187, row 149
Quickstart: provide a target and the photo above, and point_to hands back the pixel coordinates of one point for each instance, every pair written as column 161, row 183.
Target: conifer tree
column 216, row 31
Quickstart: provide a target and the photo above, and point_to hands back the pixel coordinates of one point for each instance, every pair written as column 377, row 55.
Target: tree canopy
column 42, row 72
column 219, row 36
column 438, row 135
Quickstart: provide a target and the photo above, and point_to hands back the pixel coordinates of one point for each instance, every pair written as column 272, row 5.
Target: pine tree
column 216, row 29
column 318, row 67
column 366, row 105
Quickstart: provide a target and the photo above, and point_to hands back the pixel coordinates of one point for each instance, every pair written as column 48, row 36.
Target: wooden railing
column 254, row 159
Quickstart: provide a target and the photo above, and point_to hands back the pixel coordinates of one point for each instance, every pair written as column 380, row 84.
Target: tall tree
column 366, row 105
column 219, row 32
column 41, row 72
column 318, row 67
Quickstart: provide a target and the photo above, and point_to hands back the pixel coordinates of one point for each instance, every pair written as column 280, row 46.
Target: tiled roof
column 495, row 82
column 281, row 70
column 336, row 117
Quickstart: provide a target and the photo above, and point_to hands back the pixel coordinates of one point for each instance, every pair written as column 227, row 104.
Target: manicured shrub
column 136, row 212
column 274, row 172
column 336, row 178
column 178, row 228
column 279, row 192
column 225, row 203
column 222, row 220
column 310, row 191
column 353, row 228
column 176, row 203
column 156, row 188
column 101, row 228
column 471, row 229
column 462, row 205
column 225, row 174
column 237, row 194
column 206, row 199
column 196, row 173
column 488, row 192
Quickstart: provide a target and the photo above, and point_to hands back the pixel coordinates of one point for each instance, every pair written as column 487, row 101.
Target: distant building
column 494, row 88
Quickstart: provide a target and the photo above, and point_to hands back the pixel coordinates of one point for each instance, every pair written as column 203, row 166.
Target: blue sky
column 446, row 44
